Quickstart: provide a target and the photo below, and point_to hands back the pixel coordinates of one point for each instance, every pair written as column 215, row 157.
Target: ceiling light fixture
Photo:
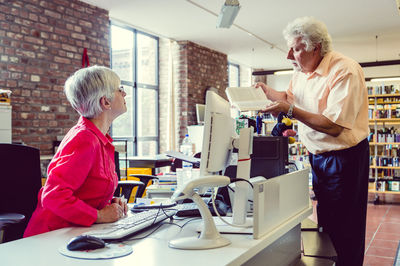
column 228, row 13
column 239, row 27
column 386, row 79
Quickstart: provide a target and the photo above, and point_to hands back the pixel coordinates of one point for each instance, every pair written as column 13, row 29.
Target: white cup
column 179, row 178
column 195, row 173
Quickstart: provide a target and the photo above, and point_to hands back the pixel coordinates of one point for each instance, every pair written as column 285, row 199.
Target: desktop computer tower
column 269, row 159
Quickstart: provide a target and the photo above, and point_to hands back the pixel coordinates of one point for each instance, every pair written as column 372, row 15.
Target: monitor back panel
column 278, row 199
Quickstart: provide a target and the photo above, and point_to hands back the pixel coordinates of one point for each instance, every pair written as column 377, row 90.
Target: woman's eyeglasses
column 121, row 89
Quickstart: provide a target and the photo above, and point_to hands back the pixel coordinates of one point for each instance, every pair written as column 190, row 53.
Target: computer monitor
column 200, row 110
column 218, row 138
column 218, row 142
column 218, row 134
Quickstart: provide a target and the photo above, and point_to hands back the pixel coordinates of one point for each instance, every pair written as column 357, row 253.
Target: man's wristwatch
column 290, row 111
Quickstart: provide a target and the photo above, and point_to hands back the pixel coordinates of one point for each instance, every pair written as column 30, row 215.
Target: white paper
column 247, row 98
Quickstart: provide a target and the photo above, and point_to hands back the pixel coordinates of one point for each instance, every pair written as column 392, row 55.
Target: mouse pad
column 110, row 251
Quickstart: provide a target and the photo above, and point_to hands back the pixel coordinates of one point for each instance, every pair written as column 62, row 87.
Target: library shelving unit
column 384, row 121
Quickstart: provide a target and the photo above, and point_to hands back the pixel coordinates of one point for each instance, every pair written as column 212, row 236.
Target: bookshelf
column 384, row 121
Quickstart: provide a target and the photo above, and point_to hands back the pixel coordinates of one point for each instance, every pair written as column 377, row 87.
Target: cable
column 147, row 235
column 219, row 216
column 293, row 163
column 233, row 191
column 233, row 180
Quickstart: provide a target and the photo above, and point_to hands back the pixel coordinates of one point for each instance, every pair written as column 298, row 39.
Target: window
column 233, row 75
column 134, row 57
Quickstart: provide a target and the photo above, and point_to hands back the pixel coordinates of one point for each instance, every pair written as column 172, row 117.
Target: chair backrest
column 116, row 160
column 20, row 182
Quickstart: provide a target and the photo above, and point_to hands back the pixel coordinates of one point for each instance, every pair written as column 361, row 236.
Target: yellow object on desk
column 137, row 171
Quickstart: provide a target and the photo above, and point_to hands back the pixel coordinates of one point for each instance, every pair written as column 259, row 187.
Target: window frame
column 135, row 139
column 229, row 73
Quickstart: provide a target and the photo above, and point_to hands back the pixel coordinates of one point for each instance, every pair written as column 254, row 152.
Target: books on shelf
column 247, row 98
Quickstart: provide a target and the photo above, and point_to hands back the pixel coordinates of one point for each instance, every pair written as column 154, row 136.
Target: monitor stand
column 239, row 216
column 240, row 223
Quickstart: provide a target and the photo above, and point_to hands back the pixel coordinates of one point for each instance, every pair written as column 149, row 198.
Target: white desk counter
column 282, row 204
column 42, row 250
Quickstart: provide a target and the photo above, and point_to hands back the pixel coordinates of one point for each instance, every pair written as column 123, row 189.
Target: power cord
column 215, row 207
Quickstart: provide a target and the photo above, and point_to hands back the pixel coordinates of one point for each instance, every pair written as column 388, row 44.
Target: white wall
column 279, row 83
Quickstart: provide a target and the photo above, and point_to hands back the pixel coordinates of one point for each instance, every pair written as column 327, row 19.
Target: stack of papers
column 167, row 179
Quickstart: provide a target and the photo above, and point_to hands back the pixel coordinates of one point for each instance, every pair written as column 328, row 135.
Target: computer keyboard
column 187, row 210
column 191, row 210
column 133, row 223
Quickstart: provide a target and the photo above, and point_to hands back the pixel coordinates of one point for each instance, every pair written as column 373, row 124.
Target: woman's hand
column 110, row 213
column 121, row 201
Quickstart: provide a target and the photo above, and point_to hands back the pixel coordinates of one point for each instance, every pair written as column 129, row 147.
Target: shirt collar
column 89, row 124
column 323, row 67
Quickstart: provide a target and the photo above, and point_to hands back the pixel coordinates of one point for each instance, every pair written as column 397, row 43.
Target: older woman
column 81, row 176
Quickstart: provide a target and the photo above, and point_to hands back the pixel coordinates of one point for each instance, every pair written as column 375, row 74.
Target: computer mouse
column 85, row 242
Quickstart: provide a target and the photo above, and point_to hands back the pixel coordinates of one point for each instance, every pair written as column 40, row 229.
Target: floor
column 382, row 233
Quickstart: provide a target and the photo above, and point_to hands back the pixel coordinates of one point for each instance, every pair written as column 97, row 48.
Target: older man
column 328, row 96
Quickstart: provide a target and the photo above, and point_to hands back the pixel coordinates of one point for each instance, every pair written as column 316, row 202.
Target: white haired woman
column 81, row 176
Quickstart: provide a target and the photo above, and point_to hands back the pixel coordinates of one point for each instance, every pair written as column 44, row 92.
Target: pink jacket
column 81, row 180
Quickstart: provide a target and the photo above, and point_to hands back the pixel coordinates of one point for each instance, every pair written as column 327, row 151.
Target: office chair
column 125, row 187
column 145, row 179
column 20, row 183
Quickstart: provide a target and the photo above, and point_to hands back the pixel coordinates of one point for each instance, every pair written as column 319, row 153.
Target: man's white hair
column 311, row 31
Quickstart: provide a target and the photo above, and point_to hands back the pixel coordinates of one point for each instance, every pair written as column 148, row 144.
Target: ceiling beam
column 365, row 64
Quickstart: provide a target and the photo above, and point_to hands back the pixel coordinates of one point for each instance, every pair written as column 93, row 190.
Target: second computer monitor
column 200, row 110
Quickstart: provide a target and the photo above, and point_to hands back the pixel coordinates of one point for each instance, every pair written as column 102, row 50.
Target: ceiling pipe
column 365, row 64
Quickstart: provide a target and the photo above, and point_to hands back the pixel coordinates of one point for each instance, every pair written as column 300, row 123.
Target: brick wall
column 198, row 68
column 41, row 44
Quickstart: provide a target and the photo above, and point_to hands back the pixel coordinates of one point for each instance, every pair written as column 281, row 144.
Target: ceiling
column 256, row 39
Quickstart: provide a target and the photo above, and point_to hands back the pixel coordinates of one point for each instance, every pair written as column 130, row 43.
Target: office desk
column 277, row 220
column 149, row 162
column 42, row 250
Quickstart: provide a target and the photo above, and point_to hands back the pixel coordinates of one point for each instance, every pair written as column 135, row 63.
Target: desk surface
column 149, row 161
column 43, row 249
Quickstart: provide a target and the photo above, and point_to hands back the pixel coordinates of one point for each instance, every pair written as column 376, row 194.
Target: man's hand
column 276, row 107
column 272, row 94
column 263, row 86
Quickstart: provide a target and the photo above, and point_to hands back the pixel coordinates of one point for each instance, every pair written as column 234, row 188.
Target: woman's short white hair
column 86, row 86
column 311, row 31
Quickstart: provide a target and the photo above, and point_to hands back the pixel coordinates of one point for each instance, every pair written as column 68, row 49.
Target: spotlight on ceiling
column 228, row 13
column 398, row 5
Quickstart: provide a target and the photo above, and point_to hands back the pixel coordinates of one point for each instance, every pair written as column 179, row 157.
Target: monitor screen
column 200, row 110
